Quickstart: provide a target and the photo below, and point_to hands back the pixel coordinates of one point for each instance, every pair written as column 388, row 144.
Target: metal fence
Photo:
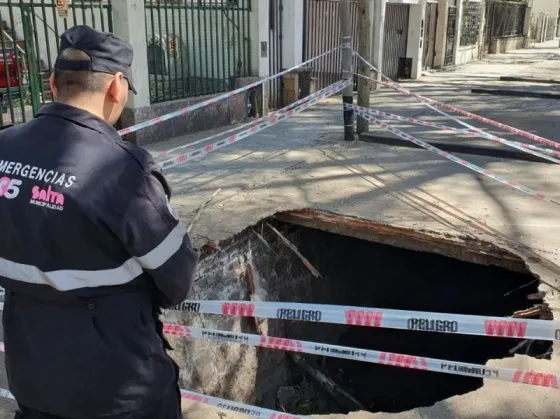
column 29, row 43
column 196, row 48
column 471, row 23
column 505, row 19
column 322, row 33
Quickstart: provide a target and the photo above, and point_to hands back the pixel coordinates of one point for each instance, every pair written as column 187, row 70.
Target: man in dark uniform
column 90, row 250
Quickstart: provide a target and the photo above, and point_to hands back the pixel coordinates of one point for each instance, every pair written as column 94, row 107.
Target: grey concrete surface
column 304, row 163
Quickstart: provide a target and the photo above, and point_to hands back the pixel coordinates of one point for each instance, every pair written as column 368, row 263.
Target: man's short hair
column 72, row 83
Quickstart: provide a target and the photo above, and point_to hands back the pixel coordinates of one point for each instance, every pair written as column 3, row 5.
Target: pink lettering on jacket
column 47, row 195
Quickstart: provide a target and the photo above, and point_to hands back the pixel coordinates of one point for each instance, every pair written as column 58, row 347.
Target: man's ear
column 115, row 87
column 53, row 85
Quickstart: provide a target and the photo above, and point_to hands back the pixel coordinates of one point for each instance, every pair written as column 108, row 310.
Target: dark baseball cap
column 107, row 52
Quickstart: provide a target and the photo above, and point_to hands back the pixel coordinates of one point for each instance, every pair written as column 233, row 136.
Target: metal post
column 364, row 49
column 347, row 73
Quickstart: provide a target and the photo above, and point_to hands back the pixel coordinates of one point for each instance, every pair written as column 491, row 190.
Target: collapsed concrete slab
column 381, row 195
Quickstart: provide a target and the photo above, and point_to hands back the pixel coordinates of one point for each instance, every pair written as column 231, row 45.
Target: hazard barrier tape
column 342, row 84
column 253, row 411
column 384, row 318
column 285, row 113
column 365, row 355
column 200, row 105
column 429, row 102
column 519, row 146
column 464, row 163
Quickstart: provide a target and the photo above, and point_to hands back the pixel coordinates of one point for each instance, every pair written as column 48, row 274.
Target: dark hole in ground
column 363, row 273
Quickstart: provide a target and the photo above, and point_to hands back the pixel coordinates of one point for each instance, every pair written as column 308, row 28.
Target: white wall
column 260, row 29
column 415, row 40
column 292, row 32
column 545, row 6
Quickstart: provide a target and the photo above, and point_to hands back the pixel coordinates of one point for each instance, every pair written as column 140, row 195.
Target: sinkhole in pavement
column 363, row 264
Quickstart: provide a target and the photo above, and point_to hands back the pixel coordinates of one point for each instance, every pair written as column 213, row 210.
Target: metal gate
column 396, row 38
column 451, row 33
column 430, row 30
column 322, row 33
column 29, row 43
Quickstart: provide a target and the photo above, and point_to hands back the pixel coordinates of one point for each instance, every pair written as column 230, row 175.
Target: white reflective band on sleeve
column 66, row 280
column 6, row 394
column 167, row 248
column 370, row 356
column 384, row 318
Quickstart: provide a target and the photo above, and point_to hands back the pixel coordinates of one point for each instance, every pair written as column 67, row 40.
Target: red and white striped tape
column 283, row 114
column 455, row 159
column 200, row 105
column 384, row 318
column 527, row 148
column 248, row 410
column 365, row 355
column 434, row 104
column 253, row 411
column 332, row 88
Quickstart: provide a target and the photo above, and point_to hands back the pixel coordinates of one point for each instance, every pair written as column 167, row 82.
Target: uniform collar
column 78, row 116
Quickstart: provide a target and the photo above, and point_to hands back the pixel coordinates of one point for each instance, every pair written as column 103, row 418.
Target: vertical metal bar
column 64, row 20
column 239, row 40
column 84, row 18
column 55, row 21
column 225, row 12
column 193, row 80
column 207, row 54
column 101, row 17
column 154, row 78
column 247, row 42
column 214, row 43
column 8, row 81
column 164, row 86
column 110, row 15
column 72, row 6
column 91, row 4
column 47, row 37
column 205, row 67
column 178, row 54
column 36, row 52
column 170, row 77
column 222, row 63
column 180, row 50
column 15, row 49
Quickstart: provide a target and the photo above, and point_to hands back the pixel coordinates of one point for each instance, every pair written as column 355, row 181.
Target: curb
column 529, row 79
column 477, row 150
column 516, row 93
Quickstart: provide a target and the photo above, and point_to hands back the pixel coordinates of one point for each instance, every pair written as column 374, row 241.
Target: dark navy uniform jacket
column 90, row 252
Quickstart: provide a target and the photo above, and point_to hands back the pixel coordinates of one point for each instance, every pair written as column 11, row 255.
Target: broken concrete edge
column 473, row 149
column 223, row 243
column 516, row 93
column 529, row 80
column 493, row 249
